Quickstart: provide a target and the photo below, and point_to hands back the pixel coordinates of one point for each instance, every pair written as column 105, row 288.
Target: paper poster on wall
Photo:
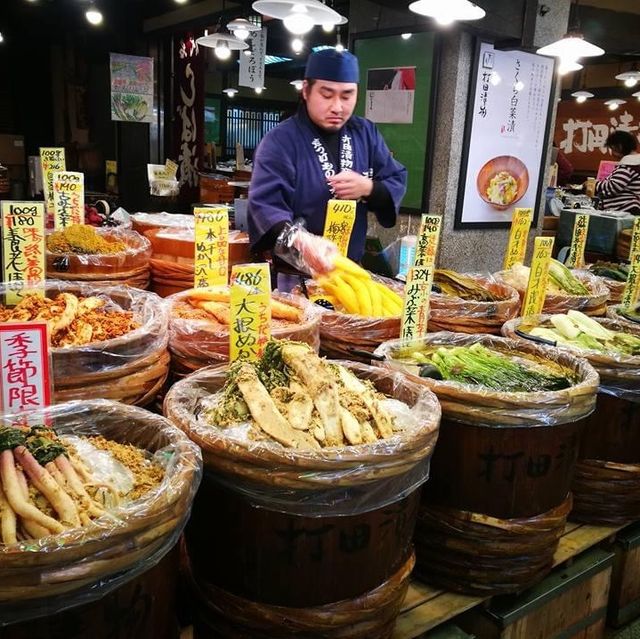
column 390, row 95
column 131, row 88
column 252, row 66
column 505, row 137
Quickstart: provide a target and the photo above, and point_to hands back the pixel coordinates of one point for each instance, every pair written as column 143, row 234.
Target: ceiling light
column 299, row 16
column 180, row 1
column 568, row 66
column 247, row 52
column 259, row 90
column 630, row 78
column 571, row 47
column 328, row 27
column 93, row 15
column 297, row 45
column 614, row 104
column 297, row 84
column 446, row 13
column 223, row 43
column 636, row 95
column 582, row 96
column 242, row 28
column 406, row 36
column 1, row 38
column 230, row 92
column 222, row 51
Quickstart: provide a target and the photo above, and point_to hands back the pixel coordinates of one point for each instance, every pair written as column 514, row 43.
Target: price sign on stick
column 428, row 240
column 51, row 160
column 578, row 241
column 25, row 379
column 250, row 321
column 517, row 247
column 338, row 225
column 537, row 287
column 23, row 250
column 417, row 293
column 634, row 247
column 632, row 289
column 211, row 259
column 68, row 198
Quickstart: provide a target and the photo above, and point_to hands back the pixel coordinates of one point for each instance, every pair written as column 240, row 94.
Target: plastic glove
column 306, row 252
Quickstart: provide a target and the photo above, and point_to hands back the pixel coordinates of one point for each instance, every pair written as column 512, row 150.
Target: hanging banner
column 428, row 240
column 131, row 88
column 517, row 247
column 189, row 121
column 23, row 251
column 252, row 66
column 68, row 199
column 537, row 287
column 211, row 247
column 338, row 224
column 51, row 160
column 417, row 295
column 578, row 241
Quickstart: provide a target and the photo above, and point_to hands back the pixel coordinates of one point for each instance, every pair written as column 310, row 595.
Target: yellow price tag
column 250, row 323
column 23, row 251
column 578, row 241
column 68, row 198
column 211, row 259
column 338, row 225
column 517, row 247
column 51, row 160
column 635, row 239
column 631, row 290
column 417, row 294
column 537, row 287
column 428, row 240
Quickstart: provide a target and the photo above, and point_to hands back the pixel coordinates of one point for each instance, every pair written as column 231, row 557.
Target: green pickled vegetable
column 457, row 285
column 610, row 270
column 564, row 279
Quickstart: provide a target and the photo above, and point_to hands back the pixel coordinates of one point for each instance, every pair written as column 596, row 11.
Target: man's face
column 330, row 104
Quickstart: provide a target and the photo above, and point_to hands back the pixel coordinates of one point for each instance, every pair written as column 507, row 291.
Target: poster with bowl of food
column 503, row 181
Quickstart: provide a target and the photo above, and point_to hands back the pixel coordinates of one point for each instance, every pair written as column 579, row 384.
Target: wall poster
column 131, row 88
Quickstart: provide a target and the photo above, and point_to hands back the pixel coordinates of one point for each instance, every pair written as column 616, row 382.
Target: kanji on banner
column 252, row 66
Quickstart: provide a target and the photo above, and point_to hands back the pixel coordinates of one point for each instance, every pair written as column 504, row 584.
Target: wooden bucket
column 143, row 608
column 503, row 460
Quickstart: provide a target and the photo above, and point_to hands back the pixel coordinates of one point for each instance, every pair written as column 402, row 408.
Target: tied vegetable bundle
column 561, row 279
column 484, row 367
column 296, row 398
column 348, row 288
column 455, row 284
column 582, row 332
column 50, row 484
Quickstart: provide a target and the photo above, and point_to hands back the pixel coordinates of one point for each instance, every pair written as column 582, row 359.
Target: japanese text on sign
column 22, row 247
column 338, row 225
column 578, row 241
column 252, row 66
column 68, row 198
column 211, row 259
column 517, row 86
column 517, row 247
column 51, row 160
column 428, row 240
column 632, row 288
column 250, row 322
column 537, row 287
column 417, row 293
column 24, row 366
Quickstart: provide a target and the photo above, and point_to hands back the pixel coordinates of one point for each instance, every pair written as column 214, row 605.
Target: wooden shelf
column 425, row 608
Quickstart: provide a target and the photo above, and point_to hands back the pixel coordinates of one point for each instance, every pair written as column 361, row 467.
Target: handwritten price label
column 417, row 295
column 537, row 287
column 68, row 198
column 22, row 247
column 578, row 241
column 338, row 225
column 250, row 328
column 632, row 288
column 211, row 257
column 428, row 240
column 51, row 160
column 517, row 247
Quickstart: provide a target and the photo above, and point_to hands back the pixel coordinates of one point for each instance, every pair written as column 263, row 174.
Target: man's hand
column 349, row 185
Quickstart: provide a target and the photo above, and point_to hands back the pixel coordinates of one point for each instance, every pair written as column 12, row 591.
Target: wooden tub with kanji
column 497, row 499
column 316, row 537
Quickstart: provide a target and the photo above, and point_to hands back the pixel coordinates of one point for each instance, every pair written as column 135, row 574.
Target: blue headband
column 332, row 65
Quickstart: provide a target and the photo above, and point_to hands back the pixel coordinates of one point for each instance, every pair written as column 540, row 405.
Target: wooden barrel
column 143, row 608
column 500, row 475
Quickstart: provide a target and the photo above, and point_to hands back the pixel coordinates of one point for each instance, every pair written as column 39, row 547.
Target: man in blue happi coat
column 323, row 152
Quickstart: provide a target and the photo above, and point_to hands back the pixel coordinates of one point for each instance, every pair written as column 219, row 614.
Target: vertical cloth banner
column 51, row 160
column 252, row 66
column 131, row 88
column 189, row 109
column 68, row 198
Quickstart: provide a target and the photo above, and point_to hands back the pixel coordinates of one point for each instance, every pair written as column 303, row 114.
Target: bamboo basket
column 130, row 267
column 468, row 316
column 82, row 565
column 594, row 304
column 195, row 344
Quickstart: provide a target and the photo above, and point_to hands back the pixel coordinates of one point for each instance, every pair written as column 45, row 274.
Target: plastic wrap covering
column 306, row 252
column 80, row 565
column 353, row 336
column 594, row 304
column 143, row 222
column 196, row 343
column 472, row 404
column 619, row 373
column 329, row 482
column 130, row 368
column 620, row 314
column 470, row 316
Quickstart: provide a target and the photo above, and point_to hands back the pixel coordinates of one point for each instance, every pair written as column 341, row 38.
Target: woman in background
column 621, row 190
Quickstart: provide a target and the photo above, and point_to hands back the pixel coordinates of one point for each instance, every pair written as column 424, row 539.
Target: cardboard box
column 12, row 150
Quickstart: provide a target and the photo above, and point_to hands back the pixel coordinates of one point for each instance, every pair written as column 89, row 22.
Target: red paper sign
column 25, row 382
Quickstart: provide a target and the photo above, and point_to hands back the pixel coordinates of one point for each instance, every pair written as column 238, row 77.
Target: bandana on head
column 332, row 65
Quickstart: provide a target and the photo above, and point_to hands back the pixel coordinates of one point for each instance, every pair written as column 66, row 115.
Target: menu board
column 505, row 138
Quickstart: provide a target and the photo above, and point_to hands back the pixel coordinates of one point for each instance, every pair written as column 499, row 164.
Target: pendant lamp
column 299, row 16
column 446, row 12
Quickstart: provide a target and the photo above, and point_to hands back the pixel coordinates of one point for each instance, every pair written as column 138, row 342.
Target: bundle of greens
column 561, row 279
column 611, row 270
column 580, row 331
column 491, row 369
column 299, row 400
column 457, row 285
